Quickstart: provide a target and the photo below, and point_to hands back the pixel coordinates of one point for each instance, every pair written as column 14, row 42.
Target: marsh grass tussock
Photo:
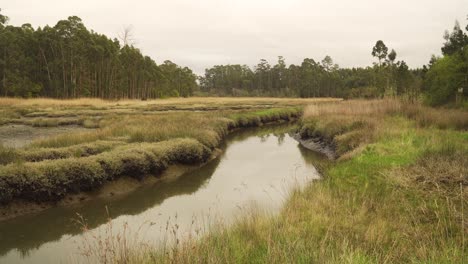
column 400, row 199
column 397, row 194
column 122, row 145
column 50, row 180
column 8, row 155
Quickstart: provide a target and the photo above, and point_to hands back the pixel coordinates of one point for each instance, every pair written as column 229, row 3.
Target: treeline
column 70, row 61
column 313, row 79
column 438, row 83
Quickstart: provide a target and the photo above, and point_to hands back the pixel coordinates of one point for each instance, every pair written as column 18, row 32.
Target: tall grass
column 353, row 108
column 348, row 125
column 128, row 145
column 440, row 118
column 400, row 199
column 95, row 102
column 110, row 245
column 423, row 115
column 8, row 155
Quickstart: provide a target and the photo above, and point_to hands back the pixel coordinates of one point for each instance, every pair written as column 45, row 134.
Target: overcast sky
column 203, row 33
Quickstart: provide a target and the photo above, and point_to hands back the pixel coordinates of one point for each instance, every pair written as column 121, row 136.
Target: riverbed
column 256, row 169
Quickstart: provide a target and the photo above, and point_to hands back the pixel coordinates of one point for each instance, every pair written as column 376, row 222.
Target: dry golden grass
column 443, row 174
column 48, row 102
column 353, row 108
column 423, row 115
column 51, row 161
column 440, row 118
column 347, row 125
column 383, row 204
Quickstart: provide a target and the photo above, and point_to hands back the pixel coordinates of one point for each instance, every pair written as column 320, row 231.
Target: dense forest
column 69, row 61
column 439, row 81
column 315, row 78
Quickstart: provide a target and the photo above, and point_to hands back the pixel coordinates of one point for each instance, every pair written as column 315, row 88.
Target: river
column 257, row 168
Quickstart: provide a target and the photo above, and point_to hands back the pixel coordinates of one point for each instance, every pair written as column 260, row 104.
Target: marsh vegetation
column 396, row 194
column 255, row 168
column 394, row 189
column 133, row 139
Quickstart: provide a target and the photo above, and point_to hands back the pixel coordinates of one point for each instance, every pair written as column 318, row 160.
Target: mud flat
column 18, row 135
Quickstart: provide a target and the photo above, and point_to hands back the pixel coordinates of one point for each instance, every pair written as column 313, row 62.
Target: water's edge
column 110, row 190
column 316, row 144
column 122, row 185
column 257, row 164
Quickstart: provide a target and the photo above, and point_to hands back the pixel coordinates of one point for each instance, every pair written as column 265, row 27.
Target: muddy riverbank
column 258, row 166
column 317, row 144
column 110, row 190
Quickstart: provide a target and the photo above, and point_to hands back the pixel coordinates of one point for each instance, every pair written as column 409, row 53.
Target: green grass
column 368, row 208
column 396, row 194
column 256, row 118
column 125, row 145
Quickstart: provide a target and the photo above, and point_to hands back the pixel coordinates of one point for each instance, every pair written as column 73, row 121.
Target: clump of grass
column 423, row 115
column 206, row 128
column 45, row 122
column 91, row 123
column 80, row 150
column 8, row 113
column 209, row 130
column 437, row 172
column 353, row 108
column 247, row 119
column 66, row 140
column 54, row 122
column 348, row 125
column 8, row 155
column 440, row 118
column 110, row 245
column 342, row 133
column 50, row 180
column 442, row 167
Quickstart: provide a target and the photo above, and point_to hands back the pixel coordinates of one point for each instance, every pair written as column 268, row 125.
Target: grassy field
column 396, row 194
column 128, row 138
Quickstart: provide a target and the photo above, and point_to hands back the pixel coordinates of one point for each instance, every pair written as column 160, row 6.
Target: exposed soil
column 316, row 144
column 17, row 136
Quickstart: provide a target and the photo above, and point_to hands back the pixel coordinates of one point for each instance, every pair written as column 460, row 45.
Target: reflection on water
column 257, row 166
